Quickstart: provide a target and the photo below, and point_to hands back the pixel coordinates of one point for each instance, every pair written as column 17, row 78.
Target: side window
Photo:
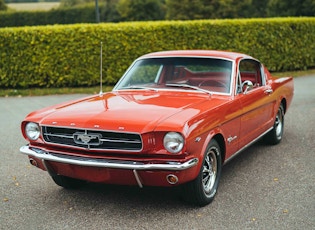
column 251, row 70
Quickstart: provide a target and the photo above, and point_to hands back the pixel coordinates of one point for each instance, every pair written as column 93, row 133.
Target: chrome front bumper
column 104, row 163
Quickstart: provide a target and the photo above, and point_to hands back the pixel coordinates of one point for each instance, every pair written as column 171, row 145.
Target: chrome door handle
column 268, row 91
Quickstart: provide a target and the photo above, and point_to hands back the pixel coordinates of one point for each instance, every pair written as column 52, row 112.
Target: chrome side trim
column 104, row 163
column 246, row 146
column 230, row 139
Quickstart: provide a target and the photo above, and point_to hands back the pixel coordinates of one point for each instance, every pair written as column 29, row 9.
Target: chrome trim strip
column 230, row 139
column 178, row 90
column 246, row 146
column 57, row 135
column 137, row 178
column 120, row 141
column 94, row 149
column 104, row 163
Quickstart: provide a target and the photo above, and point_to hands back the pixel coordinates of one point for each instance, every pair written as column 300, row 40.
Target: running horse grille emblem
column 87, row 139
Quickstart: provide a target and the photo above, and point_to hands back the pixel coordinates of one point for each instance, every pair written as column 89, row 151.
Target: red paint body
column 198, row 116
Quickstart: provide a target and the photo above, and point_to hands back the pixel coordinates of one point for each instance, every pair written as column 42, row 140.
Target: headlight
column 32, row 131
column 173, row 142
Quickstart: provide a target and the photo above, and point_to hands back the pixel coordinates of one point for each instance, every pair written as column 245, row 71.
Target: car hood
column 127, row 111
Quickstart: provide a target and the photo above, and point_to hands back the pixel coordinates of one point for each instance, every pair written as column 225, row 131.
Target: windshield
column 208, row 74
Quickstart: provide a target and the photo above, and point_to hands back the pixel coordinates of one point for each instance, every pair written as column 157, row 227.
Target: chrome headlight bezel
column 32, row 131
column 173, row 142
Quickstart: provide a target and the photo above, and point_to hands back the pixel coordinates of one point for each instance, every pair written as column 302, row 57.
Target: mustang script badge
column 87, row 139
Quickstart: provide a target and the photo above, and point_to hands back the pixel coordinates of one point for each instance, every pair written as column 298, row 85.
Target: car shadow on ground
column 94, row 194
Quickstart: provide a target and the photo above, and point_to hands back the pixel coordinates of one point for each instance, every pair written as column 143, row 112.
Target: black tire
column 274, row 136
column 203, row 189
column 68, row 182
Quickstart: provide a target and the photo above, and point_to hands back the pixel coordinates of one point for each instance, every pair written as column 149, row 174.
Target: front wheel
column 274, row 136
column 203, row 189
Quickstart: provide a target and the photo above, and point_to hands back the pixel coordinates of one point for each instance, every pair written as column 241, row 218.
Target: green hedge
column 58, row 56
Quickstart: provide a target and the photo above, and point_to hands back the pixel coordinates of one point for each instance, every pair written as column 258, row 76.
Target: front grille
column 92, row 139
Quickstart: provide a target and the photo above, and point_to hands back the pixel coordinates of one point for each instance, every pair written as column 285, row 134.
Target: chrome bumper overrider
column 104, row 163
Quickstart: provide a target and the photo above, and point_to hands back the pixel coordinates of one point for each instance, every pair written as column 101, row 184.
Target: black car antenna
column 101, row 67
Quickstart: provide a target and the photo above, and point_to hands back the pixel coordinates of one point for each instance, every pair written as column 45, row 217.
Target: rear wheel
column 203, row 189
column 68, row 182
column 275, row 135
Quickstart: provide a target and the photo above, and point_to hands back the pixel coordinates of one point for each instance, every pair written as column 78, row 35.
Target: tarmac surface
column 265, row 187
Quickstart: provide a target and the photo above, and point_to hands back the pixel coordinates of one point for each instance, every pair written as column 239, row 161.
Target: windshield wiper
column 139, row 87
column 190, row 87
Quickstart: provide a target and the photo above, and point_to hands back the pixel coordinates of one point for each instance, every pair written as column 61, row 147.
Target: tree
column 258, row 8
column 110, row 13
column 191, row 9
column 291, row 8
column 3, row 6
column 141, row 10
column 234, row 9
column 205, row 9
column 71, row 3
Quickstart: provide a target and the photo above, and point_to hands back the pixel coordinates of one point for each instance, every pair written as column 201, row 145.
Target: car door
column 257, row 105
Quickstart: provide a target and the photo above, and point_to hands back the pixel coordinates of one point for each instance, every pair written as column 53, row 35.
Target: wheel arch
column 220, row 139
column 284, row 104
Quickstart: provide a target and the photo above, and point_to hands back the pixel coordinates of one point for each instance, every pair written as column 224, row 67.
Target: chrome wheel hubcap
column 278, row 123
column 209, row 172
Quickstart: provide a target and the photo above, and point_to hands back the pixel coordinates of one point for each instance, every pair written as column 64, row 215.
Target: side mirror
column 246, row 86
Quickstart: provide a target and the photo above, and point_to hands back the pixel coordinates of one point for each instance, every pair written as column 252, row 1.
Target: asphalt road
column 266, row 187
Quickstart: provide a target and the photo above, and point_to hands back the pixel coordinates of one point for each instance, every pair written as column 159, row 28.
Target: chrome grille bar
column 121, row 141
column 92, row 139
column 58, row 135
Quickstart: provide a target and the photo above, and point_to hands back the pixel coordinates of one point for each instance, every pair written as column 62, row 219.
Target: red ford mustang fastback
column 174, row 118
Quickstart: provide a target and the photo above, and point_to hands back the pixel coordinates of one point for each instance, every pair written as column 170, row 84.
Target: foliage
column 55, row 16
column 291, row 8
column 68, row 55
column 64, row 15
column 83, row 11
column 110, row 13
column 3, row 6
column 186, row 9
column 234, row 9
column 71, row 3
column 140, row 10
column 205, row 9
column 123, row 10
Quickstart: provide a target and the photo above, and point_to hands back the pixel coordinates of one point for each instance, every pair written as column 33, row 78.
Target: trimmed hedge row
column 58, row 56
